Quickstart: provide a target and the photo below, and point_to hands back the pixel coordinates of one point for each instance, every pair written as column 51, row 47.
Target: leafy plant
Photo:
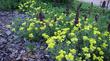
column 88, row 40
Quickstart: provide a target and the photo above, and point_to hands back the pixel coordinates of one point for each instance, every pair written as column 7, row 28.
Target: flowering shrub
column 66, row 40
column 80, row 42
column 88, row 43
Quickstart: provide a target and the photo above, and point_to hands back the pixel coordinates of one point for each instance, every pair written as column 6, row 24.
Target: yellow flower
column 72, row 34
column 54, row 37
column 85, row 38
column 21, row 28
column 95, row 28
column 50, row 24
column 31, row 35
column 100, row 58
column 71, row 23
column 60, row 17
column 97, row 32
column 75, row 28
column 85, row 49
column 59, row 31
column 60, row 38
column 59, row 57
column 99, row 38
column 86, row 27
column 104, row 45
column 64, row 32
column 69, row 57
column 50, row 40
column 106, row 33
column 68, row 42
column 43, row 27
column 36, row 28
column 94, row 57
column 101, row 52
column 92, row 41
column 62, row 52
column 63, row 36
column 87, row 55
column 85, row 22
column 45, row 35
column 24, row 24
column 32, row 24
column 99, row 49
column 66, row 29
column 78, row 25
column 74, row 40
column 92, row 48
column 90, row 26
column 51, row 45
column 29, row 29
column 73, row 51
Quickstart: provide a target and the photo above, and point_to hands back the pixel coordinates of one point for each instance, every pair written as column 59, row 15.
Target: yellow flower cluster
column 92, row 41
column 69, row 57
column 73, row 51
column 104, row 45
column 85, row 38
column 21, row 28
column 45, row 35
column 85, row 49
column 63, row 35
column 31, row 35
column 61, row 55
column 97, row 33
column 31, row 26
column 50, row 42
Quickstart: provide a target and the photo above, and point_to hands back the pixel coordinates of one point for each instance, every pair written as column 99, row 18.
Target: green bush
column 56, row 1
column 10, row 4
column 87, row 41
column 66, row 41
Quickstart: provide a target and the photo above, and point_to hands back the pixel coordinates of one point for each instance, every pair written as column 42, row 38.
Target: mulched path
column 14, row 48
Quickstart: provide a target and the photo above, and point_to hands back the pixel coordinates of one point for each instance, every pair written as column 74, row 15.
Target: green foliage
column 87, row 41
column 13, row 4
column 56, row 1
column 10, row 4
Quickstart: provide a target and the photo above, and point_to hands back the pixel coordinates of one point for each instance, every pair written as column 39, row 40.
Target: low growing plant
column 87, row 40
